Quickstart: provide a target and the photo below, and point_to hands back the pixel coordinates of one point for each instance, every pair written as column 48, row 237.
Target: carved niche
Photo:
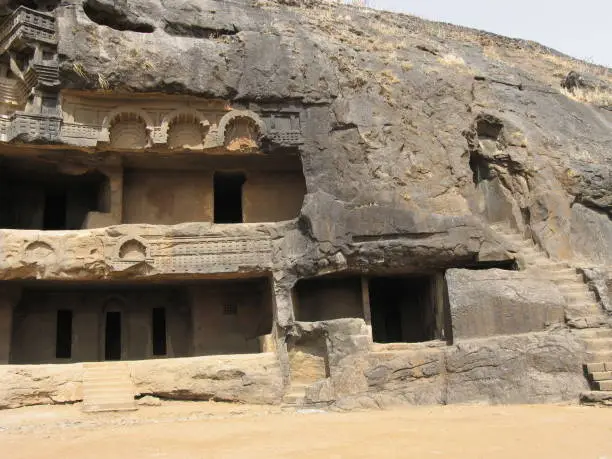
column 186, row 129
column 241, row 130
column 128, row 131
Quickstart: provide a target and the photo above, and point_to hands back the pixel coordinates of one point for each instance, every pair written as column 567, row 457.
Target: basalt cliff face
column 402, row 116
column 425, row 148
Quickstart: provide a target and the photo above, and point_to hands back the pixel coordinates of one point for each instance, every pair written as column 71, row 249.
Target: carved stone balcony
column 30, row 127
column 26, row 25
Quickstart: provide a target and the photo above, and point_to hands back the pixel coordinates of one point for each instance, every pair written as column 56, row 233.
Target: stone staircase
column 598, row 368
column 295, row 396
column 107, row 386
column 582, row 310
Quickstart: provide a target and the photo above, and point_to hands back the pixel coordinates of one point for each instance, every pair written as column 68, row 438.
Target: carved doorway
column 112, row 336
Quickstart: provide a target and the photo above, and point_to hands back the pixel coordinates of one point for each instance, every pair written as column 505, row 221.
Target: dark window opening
column 228, row 197
column 159, row 331
column 480, row 168
column 63, row 337
column 54, row 214
column 112, row 334
column 403, row 310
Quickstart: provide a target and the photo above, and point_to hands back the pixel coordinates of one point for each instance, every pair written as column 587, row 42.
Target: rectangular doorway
column 403, row 309
column 227, row 189
column 112, row 334
column 63, row 334
column 159, row 331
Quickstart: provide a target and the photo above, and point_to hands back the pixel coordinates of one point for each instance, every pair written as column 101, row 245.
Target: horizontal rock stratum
column 297, row 202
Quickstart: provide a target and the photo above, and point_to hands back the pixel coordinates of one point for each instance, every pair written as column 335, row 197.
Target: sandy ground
column 215, row 430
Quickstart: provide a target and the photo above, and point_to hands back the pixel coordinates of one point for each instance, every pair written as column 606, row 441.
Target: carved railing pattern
column 203, row 255
column 33, row 126
column 29, row 25
column 83, row 131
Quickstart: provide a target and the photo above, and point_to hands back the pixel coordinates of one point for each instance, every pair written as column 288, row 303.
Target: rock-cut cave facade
column 182, row 246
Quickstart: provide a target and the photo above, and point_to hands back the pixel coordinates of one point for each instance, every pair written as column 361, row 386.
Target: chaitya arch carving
column 127, row 128
column 132, row 249
column 241, row 130
column 185, row 128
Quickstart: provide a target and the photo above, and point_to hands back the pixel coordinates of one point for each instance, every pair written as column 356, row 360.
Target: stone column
column 365, row 301
column 284, row 318
column 9, row 297
column 115, row 178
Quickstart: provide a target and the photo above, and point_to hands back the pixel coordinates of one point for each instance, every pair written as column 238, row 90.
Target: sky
column 581, row 29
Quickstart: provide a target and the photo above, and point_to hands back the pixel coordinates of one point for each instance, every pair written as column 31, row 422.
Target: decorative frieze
column 182, row 255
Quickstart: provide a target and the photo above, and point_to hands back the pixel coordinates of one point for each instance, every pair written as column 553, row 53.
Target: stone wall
column 498, row 302
column 167, row 197
column 272, row 196
column 229, row 318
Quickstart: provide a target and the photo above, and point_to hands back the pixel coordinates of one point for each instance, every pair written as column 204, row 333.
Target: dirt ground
column 214, row 430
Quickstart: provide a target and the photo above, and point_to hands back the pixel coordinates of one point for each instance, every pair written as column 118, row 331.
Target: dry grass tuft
column 601, row 97
column 389, row 76
column 452, row 60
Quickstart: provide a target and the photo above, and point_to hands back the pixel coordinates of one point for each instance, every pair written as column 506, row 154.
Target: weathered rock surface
column 23, row 385
column 529, row 368
column 247, row 379
column 498, row 302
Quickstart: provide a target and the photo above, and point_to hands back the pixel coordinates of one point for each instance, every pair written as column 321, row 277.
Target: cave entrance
column 407, row 309
column 63, row 334
column 159, row 331
column 228, row 197
column 39, row 196
column 112, row 335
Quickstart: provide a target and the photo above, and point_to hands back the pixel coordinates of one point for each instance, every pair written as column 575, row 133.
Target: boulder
column 499, row 302
column 247, row 378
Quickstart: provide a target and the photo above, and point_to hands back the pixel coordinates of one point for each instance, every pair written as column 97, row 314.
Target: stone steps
column 597, row 333
column 582, row 311
column 598, row 344
column 599, row 367
column 296, row 395
column 604, row 385
column 602, row 376
column 108, row 387
column 599, row 356
column 402, row 347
